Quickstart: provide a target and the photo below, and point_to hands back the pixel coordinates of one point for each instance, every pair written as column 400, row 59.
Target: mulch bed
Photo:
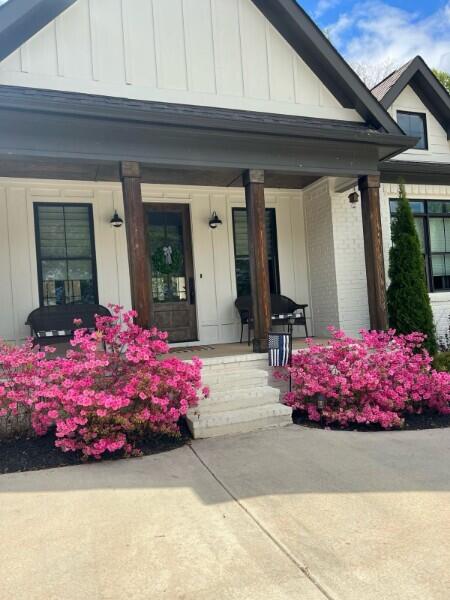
column 35, row 454
column 427, row 420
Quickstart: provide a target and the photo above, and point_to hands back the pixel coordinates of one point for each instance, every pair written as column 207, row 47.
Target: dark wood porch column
column 259, row 267
column 136, row 239
column 373, row 244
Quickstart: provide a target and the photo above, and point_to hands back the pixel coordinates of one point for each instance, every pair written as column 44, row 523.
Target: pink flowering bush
column 109, row 390
column 376, row 380
column 18, row 376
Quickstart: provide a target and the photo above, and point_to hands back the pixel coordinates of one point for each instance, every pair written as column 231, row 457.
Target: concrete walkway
column 283, row 514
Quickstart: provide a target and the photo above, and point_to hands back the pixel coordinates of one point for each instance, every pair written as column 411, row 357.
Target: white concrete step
column 230, row 367
column 238, row 399
column 239, row 421
column 234, row 369
column 241, row 398
column 240, row 379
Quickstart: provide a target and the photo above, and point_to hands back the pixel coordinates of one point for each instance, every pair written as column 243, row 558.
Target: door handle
column 191, row 290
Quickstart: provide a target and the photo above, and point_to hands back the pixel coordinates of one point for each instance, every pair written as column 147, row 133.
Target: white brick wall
column 335, row 247
column 336, row 260
column 350, row 265
column 321, row 256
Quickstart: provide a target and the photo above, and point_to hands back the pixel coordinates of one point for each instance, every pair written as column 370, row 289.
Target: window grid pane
column 439, row 234
column 434, row 237
column 414, row 124
column 242, row 262
column 65, row 253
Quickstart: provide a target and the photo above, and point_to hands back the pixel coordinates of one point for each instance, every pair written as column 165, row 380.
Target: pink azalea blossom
column 101, row 398
column 377, row 379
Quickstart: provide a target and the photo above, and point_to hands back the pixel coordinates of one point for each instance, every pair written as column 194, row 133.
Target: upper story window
column 432, row 219
column 415, row 125
column 65, row 253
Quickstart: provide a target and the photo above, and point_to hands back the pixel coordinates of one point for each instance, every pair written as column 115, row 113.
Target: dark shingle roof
column 418, row 75
column 382, row 88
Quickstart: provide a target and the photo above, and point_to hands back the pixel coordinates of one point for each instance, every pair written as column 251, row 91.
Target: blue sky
column 386, row 32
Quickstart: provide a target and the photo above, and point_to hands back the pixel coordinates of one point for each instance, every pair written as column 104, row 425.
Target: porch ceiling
column 80, row 170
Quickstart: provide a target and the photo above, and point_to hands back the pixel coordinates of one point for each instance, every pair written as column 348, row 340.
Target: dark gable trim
column 323, row 59
column 21, row 19
column 422, row 80
column 394, row 171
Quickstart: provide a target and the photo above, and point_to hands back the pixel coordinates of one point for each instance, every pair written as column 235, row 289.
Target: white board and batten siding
column 220, row 53
column 19, row 293
column 213, row 250
column 214, row 261
column 438, row 144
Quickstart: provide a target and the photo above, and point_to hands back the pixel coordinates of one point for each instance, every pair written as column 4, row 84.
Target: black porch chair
column 284, row 310
column 51, row 324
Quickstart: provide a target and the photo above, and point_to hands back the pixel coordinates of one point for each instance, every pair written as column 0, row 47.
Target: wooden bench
column 284, row 312
column 51, row 324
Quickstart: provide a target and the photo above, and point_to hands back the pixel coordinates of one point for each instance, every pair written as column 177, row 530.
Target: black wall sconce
column 214, row 221
column 116, row 221
column 353, row 198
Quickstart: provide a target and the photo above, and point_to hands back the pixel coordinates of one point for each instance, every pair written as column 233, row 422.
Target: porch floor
column 235, row 349
column 210, row 351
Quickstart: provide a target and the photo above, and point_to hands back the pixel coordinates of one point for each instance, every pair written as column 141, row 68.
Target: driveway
column 283, row 514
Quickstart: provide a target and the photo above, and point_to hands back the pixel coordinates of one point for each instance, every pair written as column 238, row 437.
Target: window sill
column 436, row 297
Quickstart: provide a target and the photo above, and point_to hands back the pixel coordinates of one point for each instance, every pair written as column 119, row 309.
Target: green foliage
column 444, row 78
column 442, row 362
column 408, row 300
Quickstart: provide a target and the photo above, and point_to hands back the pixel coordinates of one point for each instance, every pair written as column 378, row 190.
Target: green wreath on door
column 167, row 260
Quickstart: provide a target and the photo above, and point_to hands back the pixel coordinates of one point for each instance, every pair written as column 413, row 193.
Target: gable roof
column 422, row 80
column 21, row 19
column 300, row 31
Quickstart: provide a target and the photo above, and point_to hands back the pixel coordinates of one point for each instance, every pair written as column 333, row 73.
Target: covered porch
column 154, row 156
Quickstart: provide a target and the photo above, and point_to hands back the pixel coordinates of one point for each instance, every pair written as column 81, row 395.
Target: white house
column 418, row 102
column 173, row 112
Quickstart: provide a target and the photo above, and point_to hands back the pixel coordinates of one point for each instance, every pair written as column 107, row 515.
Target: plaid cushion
column 58, row 333
column 53, row 333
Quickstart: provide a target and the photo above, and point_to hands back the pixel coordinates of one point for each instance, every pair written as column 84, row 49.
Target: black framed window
column 65, row 253
column 242, row 261
column 432, row 219
column 415, row 125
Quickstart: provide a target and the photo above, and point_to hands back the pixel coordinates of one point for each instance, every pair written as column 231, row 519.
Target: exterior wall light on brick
column 353, row 198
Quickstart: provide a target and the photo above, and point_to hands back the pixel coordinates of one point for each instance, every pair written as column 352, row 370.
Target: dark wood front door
column 172, row 270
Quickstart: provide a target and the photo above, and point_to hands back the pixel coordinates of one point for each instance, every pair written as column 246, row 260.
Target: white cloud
column 375, row 32
column 324, row 6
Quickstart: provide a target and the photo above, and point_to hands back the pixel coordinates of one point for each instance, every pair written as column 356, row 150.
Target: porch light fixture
column 321, row 401
column 214, row 221
column 321, row 404
column 116, row 221
column 354, row 198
